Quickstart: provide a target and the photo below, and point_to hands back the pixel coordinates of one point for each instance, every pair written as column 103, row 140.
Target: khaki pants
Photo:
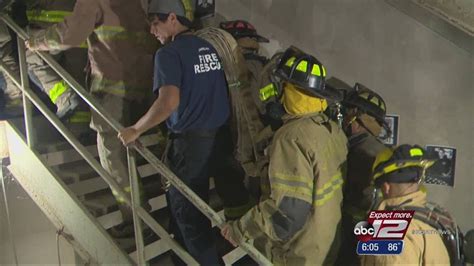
column 11, row 91
column 112, row 153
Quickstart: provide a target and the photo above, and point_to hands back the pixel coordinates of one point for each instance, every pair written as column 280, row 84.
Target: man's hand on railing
column 128, row 135
column 227, row 233
column 28, row 45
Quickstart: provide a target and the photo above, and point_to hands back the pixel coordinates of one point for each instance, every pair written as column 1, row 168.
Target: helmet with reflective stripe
column 405, row 164
column 240, row 29
column 366, row 101
column 306, row 72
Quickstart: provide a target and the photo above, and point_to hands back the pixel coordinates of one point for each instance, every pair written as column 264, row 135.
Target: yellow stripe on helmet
column 303, row 67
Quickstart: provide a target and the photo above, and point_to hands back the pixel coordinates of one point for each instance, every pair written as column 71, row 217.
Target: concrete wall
column 459, row 12
column 34, row 235
column 424, row 78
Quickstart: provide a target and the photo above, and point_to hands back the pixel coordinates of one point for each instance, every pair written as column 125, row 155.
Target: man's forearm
column 155, row 115
column 161, row 109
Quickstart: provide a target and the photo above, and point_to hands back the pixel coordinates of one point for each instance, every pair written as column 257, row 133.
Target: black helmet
column 306, row 72
column 407, row 163
column 240, row 29
column 366, row 101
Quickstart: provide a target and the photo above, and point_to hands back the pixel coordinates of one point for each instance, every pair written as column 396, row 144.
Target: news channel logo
column 383, row 232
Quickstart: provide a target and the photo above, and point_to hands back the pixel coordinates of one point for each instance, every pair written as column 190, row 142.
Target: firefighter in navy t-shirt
column 192, row 98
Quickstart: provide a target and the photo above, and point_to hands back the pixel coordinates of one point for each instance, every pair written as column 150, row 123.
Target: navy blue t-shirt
column 192, row 64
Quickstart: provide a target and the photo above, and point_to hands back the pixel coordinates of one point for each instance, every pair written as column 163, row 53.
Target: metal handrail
column 138, row 211
column 82, row 150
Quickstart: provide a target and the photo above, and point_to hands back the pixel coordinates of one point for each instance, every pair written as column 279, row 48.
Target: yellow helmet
column 404, row 164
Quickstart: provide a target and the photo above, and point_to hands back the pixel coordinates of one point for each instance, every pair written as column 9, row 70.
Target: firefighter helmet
column 366, row 101
column 240, row 29
column 306, row 72
column 405, row 164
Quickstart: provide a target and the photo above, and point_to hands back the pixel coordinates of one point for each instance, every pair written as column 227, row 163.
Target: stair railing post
column 136, row 202
column 25, row 86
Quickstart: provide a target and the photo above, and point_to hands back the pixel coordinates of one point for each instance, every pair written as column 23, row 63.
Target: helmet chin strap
column 348, row 129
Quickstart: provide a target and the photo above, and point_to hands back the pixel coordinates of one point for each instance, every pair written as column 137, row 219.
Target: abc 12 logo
column 384, row 225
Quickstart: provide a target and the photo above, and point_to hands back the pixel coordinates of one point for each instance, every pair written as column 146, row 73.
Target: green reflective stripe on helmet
column 290, row 61
column 80, row 117
column 267, row 92
column 424, row 164
column 303, row 67
column 416, row 152
column 50, row 16
column 328, row 190
column 58, row 89
column 316, row 70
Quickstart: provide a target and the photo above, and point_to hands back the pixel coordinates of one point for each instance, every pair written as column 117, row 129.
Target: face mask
column 296, row 102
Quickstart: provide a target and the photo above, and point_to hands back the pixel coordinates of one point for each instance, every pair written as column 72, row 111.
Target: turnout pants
column 112, row 153
column 73, row 61
column 10, row 91
column 229, row 178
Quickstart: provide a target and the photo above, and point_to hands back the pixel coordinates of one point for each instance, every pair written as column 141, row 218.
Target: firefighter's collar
column 318, row 117
column 413, row 199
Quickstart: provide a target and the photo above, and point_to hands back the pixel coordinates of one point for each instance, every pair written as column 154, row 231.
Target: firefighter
column 249, row 42
column 11, row 94
column 398, row 174
column 38, row 15
column 363, row 121
column 41, row 15
column 193, row 99
column 120, row 52
column 300, row 222
column 250, row 107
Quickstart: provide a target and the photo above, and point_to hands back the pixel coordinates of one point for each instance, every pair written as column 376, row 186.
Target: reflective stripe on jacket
column 300, row 221
column 120, row 48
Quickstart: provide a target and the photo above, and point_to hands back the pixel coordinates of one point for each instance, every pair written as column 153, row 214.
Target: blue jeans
column 190, row 157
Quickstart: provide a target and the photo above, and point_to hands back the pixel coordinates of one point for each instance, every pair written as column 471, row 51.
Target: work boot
column 66, row 104
column 127, row 230
column 123, row 230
